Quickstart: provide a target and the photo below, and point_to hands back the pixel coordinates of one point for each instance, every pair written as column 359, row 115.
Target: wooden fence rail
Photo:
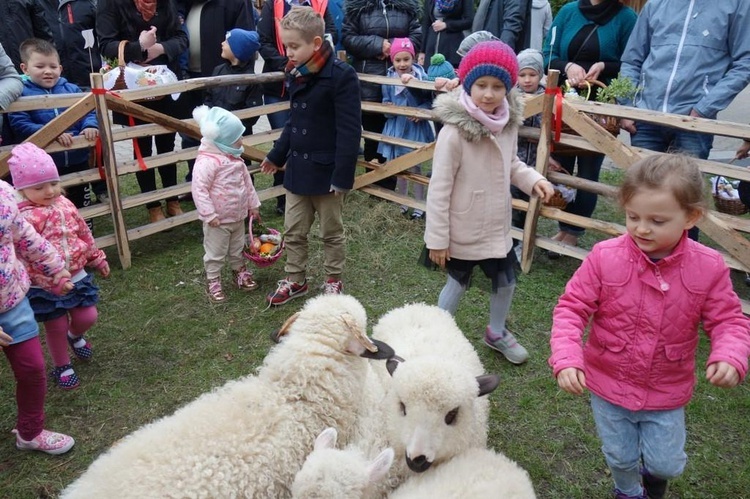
column 726, row 230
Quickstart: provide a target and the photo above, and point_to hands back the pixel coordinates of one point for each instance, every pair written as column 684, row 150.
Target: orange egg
column 267, row 248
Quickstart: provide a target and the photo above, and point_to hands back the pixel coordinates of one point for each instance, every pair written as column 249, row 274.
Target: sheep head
column 342, row 319
column 338, row 474
column 435, row 409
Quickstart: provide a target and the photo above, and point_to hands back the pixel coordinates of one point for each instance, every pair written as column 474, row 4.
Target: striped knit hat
column 493, row 58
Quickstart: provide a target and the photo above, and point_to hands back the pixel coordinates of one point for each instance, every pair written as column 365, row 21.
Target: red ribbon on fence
column 131, row 122
column 557, row 124
column 100, row 158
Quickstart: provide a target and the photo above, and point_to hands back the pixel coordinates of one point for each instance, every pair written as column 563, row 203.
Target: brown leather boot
column 173, row 208
column 155, row 214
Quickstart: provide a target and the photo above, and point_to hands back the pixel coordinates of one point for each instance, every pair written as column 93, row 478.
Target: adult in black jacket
column 118, row 20
column 20, row 20
column 70, row 19
column 443, row 32
column 368, row 30
column 509, row 20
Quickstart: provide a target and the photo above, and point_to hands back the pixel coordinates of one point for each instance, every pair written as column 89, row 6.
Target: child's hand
column 406, row 78
column 67, row 287
column 544, row 190
column 255, row 214
column 572, row 380
column 60, row 276
column 104, row 269
column 5, row 338
column 722, row 374
column 744, row 150
column 268, row 167
column 65, row 139
column 629, row 126
column 91, row 134
column 554, row 165
column 439, row 257
column 214, row 222
column 451, row 85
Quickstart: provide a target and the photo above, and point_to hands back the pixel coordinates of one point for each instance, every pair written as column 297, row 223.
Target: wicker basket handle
column 121, row 53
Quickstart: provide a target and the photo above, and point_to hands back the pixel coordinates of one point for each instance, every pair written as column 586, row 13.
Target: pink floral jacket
column 643, row 322
column 19, row 244
column 62, row 226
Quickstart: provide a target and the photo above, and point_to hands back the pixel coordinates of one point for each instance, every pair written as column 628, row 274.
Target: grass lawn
column 159, row 343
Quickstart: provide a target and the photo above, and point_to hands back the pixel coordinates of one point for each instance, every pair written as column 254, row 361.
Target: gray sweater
column 10, row 83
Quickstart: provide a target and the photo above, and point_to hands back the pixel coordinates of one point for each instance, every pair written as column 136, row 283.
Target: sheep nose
column 418, row 464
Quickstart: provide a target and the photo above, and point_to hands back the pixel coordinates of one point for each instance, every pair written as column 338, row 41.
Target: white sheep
column 249, row 437
column 346, row 474
column 430, row 406
column 329, row 473
column 434, row 405
column 476, row 473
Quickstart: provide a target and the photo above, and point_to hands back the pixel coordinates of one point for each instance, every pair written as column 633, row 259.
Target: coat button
column 294, row 105
column 304, row 131
column 294, row 154
column 294, row 129
column 305, row 156
column 304, row 105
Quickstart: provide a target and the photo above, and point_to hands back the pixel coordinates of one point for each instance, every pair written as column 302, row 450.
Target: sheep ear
column 326, row 439
column 487, row 383
column 383, row 352
column 284, row 329
column 378, row 468
column 392, row 363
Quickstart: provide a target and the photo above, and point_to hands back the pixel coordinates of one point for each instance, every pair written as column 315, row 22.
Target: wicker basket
column 728, row 206
column 262, row 261
column 557, row 200
column 610, row 123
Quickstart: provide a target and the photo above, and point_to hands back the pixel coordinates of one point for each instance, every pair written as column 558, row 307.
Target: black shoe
column 656, row 488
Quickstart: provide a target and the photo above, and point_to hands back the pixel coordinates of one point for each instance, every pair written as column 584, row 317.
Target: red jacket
column 644, row 316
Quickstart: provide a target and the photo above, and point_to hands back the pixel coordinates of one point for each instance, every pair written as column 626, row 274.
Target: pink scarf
column 494, row 122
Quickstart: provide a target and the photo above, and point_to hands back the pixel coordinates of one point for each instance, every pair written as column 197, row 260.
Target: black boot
column 656, row 488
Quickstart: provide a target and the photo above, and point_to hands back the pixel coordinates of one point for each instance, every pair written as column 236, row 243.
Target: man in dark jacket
column 20, row 20
column 369, row 28
column 68, row 19
column 509, row 20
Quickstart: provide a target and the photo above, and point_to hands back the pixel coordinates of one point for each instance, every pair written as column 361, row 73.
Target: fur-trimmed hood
column 352, row 7
column 450, row 111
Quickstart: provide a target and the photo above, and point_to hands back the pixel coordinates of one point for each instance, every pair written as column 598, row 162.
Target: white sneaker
column 508, row 346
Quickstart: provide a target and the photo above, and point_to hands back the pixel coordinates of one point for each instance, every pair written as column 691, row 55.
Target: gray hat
column 474, row 38
column 531, row 58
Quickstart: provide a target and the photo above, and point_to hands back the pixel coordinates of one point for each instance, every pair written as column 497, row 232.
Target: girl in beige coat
column 468, row 200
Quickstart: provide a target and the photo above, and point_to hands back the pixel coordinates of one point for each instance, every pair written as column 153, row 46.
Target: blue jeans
column 664, row 139
column 589, row 166
column 657, row 437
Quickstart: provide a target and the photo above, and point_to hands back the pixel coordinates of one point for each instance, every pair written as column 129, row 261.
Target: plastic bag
column 137, row 76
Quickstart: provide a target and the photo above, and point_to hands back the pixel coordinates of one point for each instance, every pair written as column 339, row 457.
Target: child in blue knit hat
column 239, row 50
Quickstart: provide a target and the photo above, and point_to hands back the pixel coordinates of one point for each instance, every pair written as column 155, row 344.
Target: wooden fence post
column 110, row 169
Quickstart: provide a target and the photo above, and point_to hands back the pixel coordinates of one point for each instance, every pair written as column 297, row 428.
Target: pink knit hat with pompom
column 493, row 58
column 29, row 166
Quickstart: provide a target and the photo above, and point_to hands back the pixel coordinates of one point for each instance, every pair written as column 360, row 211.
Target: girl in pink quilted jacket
column 642, row 296
column 66, row 318
column 22, row 247
column 224, row 196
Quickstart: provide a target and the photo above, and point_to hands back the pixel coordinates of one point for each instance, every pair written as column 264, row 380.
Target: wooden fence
column 727, row 231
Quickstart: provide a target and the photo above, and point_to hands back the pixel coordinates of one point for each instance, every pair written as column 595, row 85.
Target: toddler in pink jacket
column 66, row 318
column 21, row 247
column 642, row 295
column 224, row 196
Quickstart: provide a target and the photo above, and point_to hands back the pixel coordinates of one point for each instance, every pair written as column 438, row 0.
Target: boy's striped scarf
column 312, row 66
